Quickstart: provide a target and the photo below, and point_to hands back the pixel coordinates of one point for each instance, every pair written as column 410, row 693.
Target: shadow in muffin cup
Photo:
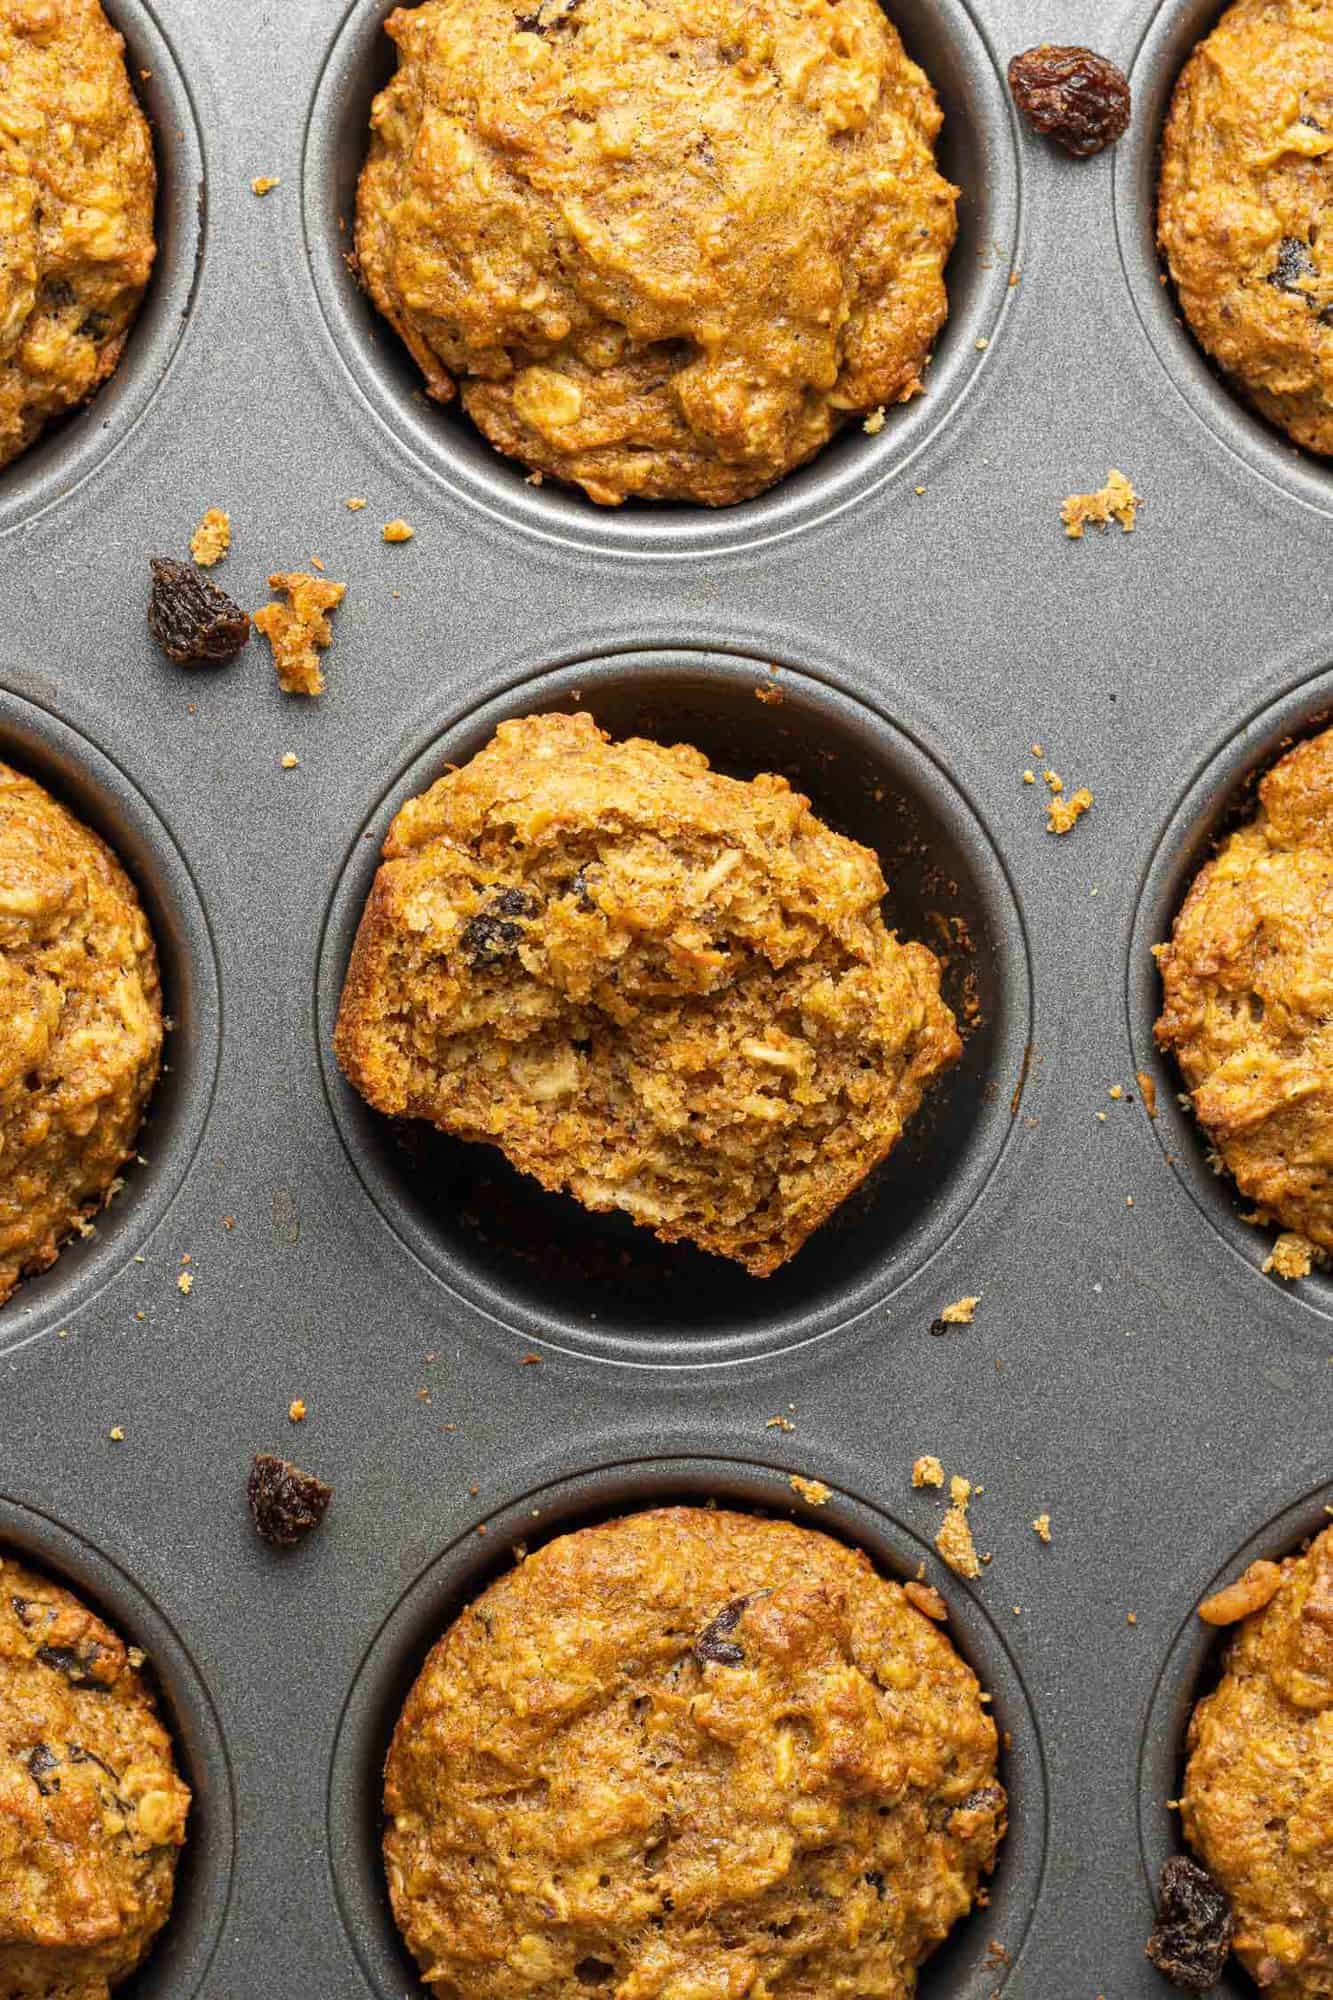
column 179, row 1959
column 964, row 1968
column 76, row 444
column 1221, row 797
column 104, row 797
column 976, row 151
column 549, row 1268
column 1169, row 40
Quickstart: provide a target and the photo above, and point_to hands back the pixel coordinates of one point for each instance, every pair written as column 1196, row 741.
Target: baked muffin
column 77, row 187
column 689, row 1753
column 1247, row 985
column 1258, row 1798
column 80, row 1024
column 92, row 1812
column 662, row 247
column 659, row 989
column 1245, row 214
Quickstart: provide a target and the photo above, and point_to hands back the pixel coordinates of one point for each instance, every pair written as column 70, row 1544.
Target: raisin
column 79, row 1669
column 1073, row 95
column 495, row 933
column 1192, row 1936
column 578, row 889
column 93, row 326
column 1294, row 262
column 713, row 1644
column 190, row 618
column 39, row 1762
column 549, row 16
column 285, row 1502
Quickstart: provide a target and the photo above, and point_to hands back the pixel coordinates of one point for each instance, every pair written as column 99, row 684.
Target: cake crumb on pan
column 927, row 1471
column 954, row 1540
column 212, row 538
column 1116, row 501
column 397, row 531
column 1291, row 1257
column 263, row 184
column 296, row 1410
column 812, row 1491
column 1063, row 814
column 1041, row 1527
column 355, row 504
column 299, row 630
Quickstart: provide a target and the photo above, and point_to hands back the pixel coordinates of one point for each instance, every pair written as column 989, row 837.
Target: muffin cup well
column 598, row 1282
column 977, row 151
column 1220, row 797
column 72, row 447
column 1190, row 1669
column 102, row 795
column 964, row 1968
column 1170, row 38
column 179, row 1960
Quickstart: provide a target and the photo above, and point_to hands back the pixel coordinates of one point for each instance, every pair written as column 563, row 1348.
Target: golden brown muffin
column 689, row 1756
column 664, row 247
column 80, row 1024
column 1245, row 215
column 1248, row 996
column 659, row 989
column 92, row 1812
column 77, row 187
column 1258, row 1798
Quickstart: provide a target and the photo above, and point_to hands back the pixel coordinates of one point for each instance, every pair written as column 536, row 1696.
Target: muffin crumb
column 1116, row 501
column 264, row 184
column 812, row 1491
column 1041, row 1527
column 212, row 538
column 299, row 630
column 1064, row 814
column 927, row 1471
column 397, row 531
column 1291, row 1257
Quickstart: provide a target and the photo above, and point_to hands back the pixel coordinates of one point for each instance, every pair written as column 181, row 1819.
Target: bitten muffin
column 1258, row 1798
column 692, row 1754
column 1245, row 215
column 662, row 247
column 77, row 187
column 92, row 1812
column 80, row 1024
column 660, row 989
column 1247, row 985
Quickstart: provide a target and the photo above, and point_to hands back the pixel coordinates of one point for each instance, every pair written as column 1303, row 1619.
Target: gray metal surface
column 1129, row 1370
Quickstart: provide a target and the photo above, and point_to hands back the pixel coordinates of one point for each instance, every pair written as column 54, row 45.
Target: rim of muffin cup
column 1190, row 1670
column 963, row 1968
column 78, row 443
column 1173, row 30
column 101, row 793
column 1220, row 795
column 977, row 150
column 181, row 1953
column 545, row 1267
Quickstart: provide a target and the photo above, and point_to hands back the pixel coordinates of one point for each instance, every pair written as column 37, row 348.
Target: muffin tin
column 1130, row 1370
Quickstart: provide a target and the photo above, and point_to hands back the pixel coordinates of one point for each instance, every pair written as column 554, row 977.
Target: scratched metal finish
column 1130, row 1370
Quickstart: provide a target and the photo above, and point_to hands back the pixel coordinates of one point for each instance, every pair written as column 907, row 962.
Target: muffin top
column 689, row 1753
column 1258, row 1797
column 662, row 246
column 92, row 1812
column 80, row 1024
column 1248, row 995
column 665, row 991
column 1245, row 217
column 77, row 187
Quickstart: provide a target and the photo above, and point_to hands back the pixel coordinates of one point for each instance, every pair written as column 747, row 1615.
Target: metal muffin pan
column 1165, row 1402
